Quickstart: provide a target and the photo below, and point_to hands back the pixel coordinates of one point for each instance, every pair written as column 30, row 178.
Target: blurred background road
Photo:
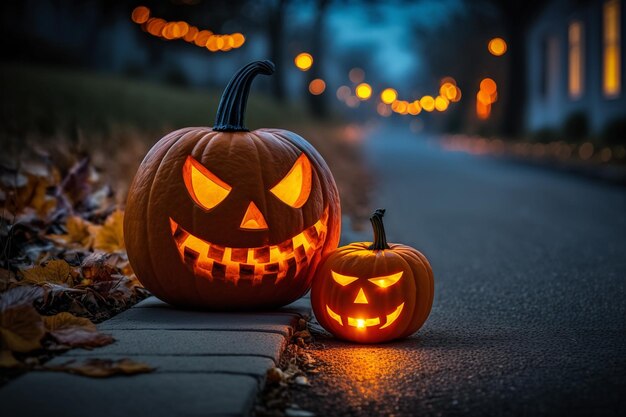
column 529, row 315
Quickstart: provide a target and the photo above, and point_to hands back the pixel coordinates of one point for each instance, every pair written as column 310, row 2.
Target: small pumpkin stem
column 380, row 238
column 232, row 107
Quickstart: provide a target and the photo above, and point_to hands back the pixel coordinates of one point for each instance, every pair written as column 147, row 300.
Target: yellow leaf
column 65, row 320
column 110, row 236
column 74, row 331
column 57, row 271
column 78, row 233
column 7, row 360
column 102, row 368
column 21, row 329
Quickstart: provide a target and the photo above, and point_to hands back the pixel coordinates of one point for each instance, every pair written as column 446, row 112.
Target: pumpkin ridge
column 172, row 149
column 170, row 145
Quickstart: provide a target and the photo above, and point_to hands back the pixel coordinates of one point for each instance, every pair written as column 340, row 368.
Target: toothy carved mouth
column 362, row 323
column 253, row 265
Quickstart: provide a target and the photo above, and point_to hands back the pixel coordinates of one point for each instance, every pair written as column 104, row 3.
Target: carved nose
column 253, row 219
column 360, row 297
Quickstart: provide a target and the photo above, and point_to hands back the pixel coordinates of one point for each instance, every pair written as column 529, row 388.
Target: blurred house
column 576, row 70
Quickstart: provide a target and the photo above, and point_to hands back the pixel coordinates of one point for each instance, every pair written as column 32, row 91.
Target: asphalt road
column 529, row 315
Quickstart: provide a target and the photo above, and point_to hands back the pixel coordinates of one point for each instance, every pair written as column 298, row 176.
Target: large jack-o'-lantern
column 373, row 292
column 225, row 218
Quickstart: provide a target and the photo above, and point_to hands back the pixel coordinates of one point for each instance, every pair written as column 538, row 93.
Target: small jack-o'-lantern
column 373, row 292
column 225, row 218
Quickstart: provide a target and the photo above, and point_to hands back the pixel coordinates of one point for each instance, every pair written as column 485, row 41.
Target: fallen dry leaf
column 18, row 296
column 101, row 266
column 73, row 331
column 21, row 328
column 110, row 236
column 102, row 368
column 56, row 271
column 78, row 233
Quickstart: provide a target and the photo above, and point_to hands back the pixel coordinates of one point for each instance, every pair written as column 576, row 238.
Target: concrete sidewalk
column 208, row 364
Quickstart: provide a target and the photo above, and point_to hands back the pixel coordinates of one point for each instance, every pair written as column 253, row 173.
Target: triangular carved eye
column 387, row 280
column 295, row 187
column 343, row 280
column 206, row 189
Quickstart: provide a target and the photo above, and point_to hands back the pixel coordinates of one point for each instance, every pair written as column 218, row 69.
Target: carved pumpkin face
column 373, row 292
column 229, row 219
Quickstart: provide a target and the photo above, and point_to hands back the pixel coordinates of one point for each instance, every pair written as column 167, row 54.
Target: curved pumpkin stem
column 380, row 238
column 232, row 107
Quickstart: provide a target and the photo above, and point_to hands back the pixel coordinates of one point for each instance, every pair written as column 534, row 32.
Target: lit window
column 611, row 30
column 576, row 60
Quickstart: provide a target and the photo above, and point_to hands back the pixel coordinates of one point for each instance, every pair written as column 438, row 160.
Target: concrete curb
column 208, row 364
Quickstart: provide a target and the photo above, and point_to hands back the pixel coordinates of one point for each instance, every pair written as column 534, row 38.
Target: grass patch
column 115, row 121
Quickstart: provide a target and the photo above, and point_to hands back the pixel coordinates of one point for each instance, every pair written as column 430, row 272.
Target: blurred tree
column 276, row 34
column 317, row 104
column 516, row 16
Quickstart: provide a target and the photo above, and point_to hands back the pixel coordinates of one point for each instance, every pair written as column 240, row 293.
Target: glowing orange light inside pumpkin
column 393, row 316
column 295, row 187
column 341, row 279
column 497, row 46
column 253, row 219
column 213, row 261
column 317, row 86
column 304, row 61
column 387, row 280
column 206, row 189
column 360, row 297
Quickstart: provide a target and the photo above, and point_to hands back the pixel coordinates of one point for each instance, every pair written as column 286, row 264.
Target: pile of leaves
column 295, row 363
column 63, row 265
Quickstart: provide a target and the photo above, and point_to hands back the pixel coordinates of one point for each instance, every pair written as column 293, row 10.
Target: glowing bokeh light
column 304, row 61
column 383, row 109
column 414, row 108
column 488, row 85
column 427, row 103
column 182, row 30
column 497, row 46
column 388, row 95
column 356, row 75
column 441, row 103
column 238, row 39
column 363, row 91
column 483, row 110
column 343, row 92
column 140, row 14
column 317, row 86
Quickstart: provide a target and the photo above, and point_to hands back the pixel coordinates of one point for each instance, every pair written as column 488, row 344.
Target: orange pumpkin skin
column 371, row 295
column 222, row 257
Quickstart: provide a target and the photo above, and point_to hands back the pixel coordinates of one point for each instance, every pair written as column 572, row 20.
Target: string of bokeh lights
column 163, row 29
column 449, row 91
column 389, row 102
